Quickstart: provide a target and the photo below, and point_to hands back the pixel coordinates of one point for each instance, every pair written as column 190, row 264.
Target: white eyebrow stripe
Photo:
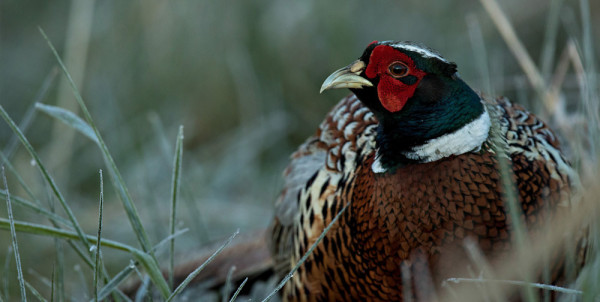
column 422, row 51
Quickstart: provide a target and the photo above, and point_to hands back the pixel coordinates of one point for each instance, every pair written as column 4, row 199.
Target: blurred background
column 242, row 77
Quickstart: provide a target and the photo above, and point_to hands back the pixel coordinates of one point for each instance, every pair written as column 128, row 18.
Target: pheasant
column 411, row 155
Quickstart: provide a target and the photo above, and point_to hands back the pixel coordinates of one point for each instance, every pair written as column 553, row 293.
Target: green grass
column 174, row 194
column 98, row 239
column 243, row 78
column 13, row 236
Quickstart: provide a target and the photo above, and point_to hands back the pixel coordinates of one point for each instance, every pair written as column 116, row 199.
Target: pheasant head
column 426, row 112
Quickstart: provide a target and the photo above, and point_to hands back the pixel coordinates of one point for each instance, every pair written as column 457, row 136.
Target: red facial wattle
column 392, row 92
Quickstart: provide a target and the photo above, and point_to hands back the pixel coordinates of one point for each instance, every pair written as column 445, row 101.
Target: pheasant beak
column 347, row 77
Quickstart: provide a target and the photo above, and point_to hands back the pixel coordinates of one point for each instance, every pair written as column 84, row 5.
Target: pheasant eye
column 398, row 69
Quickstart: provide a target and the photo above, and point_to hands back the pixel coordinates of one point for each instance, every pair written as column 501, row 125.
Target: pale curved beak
column 347, row 77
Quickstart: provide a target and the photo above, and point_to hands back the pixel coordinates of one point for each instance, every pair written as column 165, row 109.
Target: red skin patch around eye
column 392, row 93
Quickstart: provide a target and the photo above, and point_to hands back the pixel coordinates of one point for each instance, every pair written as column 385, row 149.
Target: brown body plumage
column 417, row 216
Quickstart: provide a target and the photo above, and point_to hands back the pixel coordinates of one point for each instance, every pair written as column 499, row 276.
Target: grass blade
column 69, row 118
column 479, row 52
column 52, row 284
column 72, row 120
column 13, row 235
column 5, row 273
column 114, row 283
column 142, row 290
column 29, row 114
column 482, row 266
column 59, row 279
column 47, row 176
column 12, row 169
column 519, row 52
column 81, row 281
column 588, row 39
column 143, row 258
column 55, row 219
column 549, row 48
column 34, row 292
column 195, row 273
column 239, row 289
column 168, row 239
column 406, row 282
column 555, row 288
column 591, row 92
column 305, row 256
column 148, row 262
column 174, row 194
column 132, row 214
column 228, row 284
column 151, row 264
column 32, row 206
column 99, row 240
column 44, row 230
column 520, row 236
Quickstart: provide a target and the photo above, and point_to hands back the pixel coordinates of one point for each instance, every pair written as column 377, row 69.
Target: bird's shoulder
column 346, row 134
column 316, row 173
column 531, row 145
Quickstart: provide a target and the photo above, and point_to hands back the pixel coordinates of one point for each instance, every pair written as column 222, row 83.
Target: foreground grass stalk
column 195, row 273
column 72, row 120
column 147, row 258
column 112, row 285
column 305, row 256
column 520, row 53
column 552, row 26
column 128, row 204
column 37, row 209
column 226, row 289
column 480, row 53
column 5, row 161
column 39, row 229
column 13, row 235
column 481, row 265
column 35, row 292
column 516, row 282
column 70, row 235
column 55, row 220
column 519, row 231
column 143, row 289
column 30, row 113
column 5, row 278
column 52, row 284
column 59, row 264
column 144, row 259
column 61, row 147
column 99, row 238
column 72, row 222
column 174, row 194
column 47, row 176
column 406, row 282
column 239, row 289
column 591, row 92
